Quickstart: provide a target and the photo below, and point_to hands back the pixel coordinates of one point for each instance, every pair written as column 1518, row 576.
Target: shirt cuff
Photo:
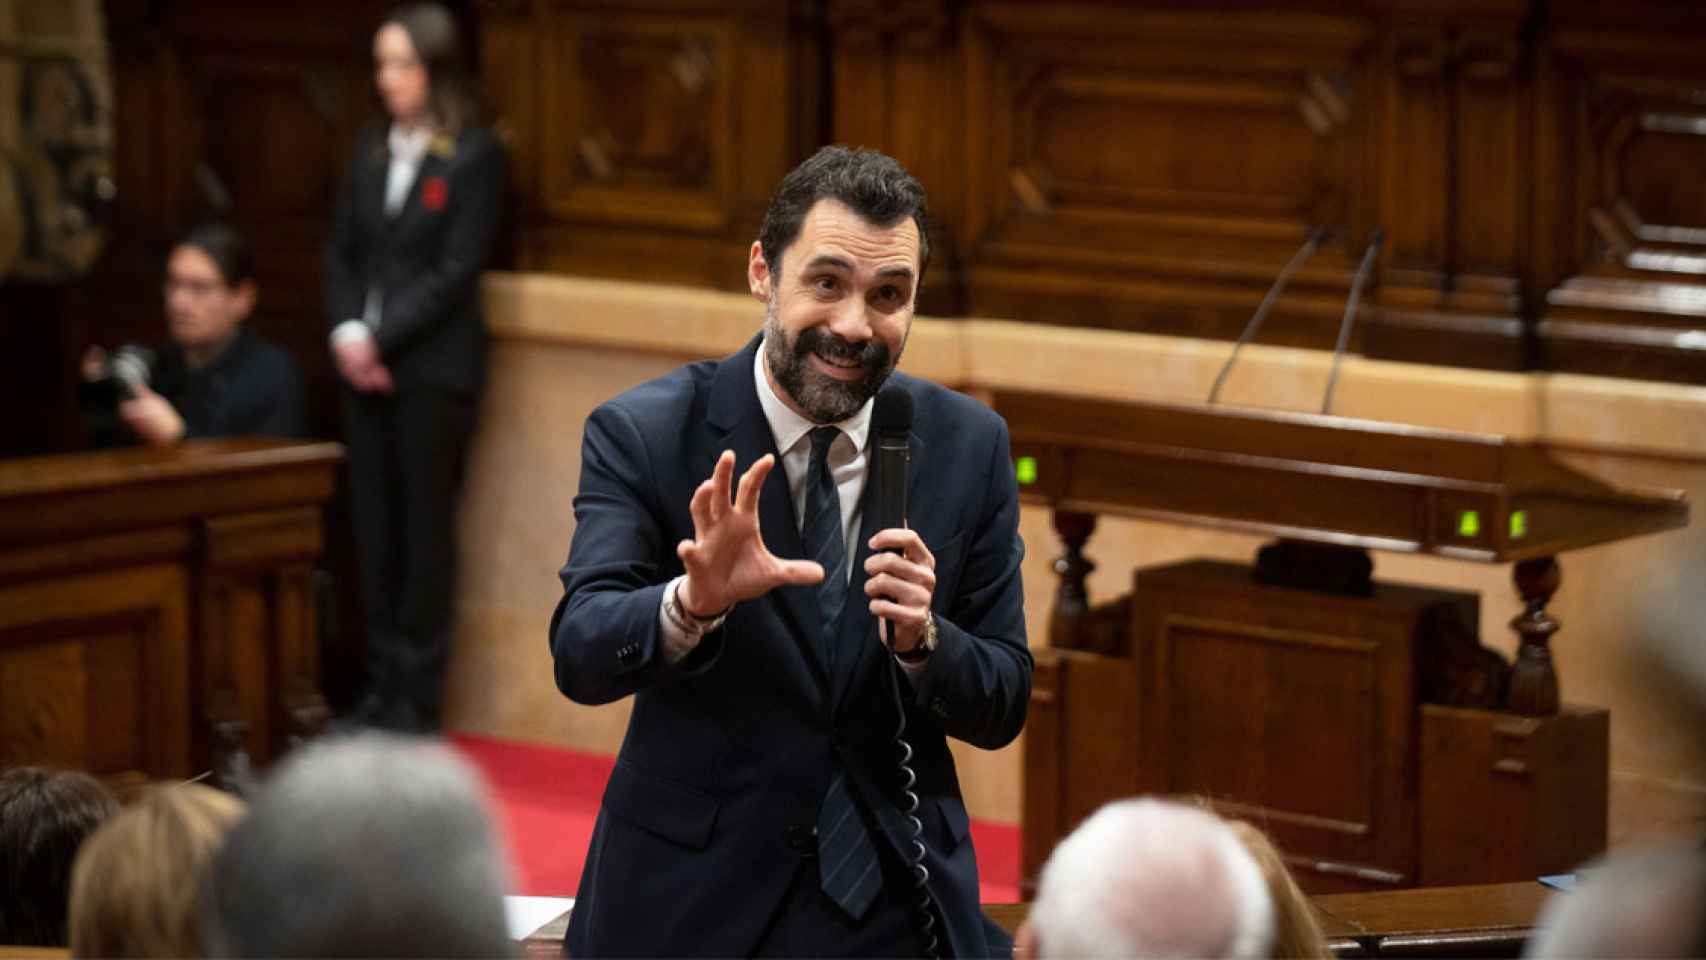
column 350, row 330
column 914, row 671
column 679, row 633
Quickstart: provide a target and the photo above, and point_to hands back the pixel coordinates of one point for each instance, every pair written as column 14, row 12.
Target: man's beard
column 824, row 398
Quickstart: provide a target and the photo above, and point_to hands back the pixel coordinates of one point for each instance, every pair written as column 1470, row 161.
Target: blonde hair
column 135, row 889
column 1297, row 934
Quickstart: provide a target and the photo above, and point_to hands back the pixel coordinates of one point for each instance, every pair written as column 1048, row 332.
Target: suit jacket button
column 939, row 707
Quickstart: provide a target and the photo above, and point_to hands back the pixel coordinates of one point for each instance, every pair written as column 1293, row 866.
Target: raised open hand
column 726, row 560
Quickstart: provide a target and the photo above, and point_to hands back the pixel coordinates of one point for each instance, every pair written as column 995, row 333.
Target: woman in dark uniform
column 415, row 223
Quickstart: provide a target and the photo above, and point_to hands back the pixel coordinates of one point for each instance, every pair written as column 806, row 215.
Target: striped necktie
column 847, row 859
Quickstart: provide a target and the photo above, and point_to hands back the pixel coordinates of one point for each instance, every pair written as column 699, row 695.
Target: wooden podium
column 1359, row 722
column 156, row 606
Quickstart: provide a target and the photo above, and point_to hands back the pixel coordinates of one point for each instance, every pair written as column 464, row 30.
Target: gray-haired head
column 367, row 846
column 1650, row 903
column 1149, row 878
column 874, row 185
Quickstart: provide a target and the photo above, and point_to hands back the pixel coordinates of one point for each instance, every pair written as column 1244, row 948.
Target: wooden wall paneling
column 259, row 650
column 1046, row 770
column 1079, row 754
column 94, row 673
column 661, row 129
column 897, row 86
column 1455, row 201
column 1153, row 170
column 1481, row 766
column 509, row 58
column 1623, row 252
column 179, row 577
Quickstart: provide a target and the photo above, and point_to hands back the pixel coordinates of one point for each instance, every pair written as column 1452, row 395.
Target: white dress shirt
column 407, row 149
column 849, row 456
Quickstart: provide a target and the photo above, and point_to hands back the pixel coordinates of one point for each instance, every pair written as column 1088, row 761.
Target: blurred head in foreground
column 375, row 845
column 134, row 888
column 45, row 815
column 1150, row 878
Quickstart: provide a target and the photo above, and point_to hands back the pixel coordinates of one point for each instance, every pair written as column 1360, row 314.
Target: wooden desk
column 156, row 605
column 1494, row 920
column 1481, row 921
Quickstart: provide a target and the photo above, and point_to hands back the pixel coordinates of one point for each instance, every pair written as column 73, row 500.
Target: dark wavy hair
column 44, row 817
column 454, row 101
column 871, row 184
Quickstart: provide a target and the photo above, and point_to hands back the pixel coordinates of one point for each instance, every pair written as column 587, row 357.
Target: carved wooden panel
column 1624, row 132
column 1295, row 683
column 896, row 75
column 655, row 130
column 1287, row 708
column 644, row 109
column 259, row 648
column 148, row 595
column 247, row 107
column 1153, row 170
column 94, row 673
column 1454, row 164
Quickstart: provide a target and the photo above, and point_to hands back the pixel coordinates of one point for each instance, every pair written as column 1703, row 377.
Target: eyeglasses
column 193, row 287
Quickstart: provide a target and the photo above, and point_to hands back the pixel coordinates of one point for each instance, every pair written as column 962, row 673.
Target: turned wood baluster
column 1534, row 679
column 1071, row 599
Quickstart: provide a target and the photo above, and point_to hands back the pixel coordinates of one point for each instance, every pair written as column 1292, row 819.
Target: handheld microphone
column 891, row 419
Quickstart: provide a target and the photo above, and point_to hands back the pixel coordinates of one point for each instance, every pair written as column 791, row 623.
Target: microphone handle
column 894, row 459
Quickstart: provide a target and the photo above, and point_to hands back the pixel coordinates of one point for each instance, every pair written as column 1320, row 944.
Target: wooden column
column 1071, row 597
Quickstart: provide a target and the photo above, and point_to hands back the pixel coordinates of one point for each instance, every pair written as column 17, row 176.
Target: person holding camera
column 214, row 378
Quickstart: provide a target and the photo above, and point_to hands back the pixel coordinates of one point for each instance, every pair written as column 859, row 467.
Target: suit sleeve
column 978, row 682
column 441, row 291
column 605, row 636
column 345, row 291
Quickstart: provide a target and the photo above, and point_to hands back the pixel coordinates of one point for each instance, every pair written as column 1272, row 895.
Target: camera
column 121, row 373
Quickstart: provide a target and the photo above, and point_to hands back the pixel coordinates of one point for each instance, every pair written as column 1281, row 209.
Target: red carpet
column 547, row 798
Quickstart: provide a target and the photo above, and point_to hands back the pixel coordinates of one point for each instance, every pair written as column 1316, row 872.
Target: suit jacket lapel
column 737, row 423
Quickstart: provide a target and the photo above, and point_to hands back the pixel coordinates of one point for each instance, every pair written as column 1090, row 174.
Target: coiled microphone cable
column 913, row 852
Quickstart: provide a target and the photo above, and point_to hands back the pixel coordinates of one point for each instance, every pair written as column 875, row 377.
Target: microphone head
column 892, row 412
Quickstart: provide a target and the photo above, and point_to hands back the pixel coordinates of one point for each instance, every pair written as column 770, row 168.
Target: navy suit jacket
column 728, row 754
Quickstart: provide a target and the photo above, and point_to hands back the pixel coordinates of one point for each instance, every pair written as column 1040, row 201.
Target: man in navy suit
column 755, row 807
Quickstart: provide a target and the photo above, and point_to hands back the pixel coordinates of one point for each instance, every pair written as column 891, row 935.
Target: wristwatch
column 926, row 645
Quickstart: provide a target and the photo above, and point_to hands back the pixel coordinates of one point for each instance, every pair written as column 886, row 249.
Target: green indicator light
column 1469, row 523
column 1519, row 524
column 1025, row 468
